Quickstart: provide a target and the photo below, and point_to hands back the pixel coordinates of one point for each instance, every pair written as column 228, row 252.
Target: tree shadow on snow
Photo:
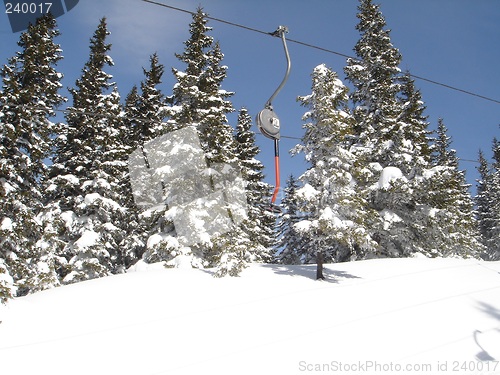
column 309, row 271
column 492, row 311
column 489, row 310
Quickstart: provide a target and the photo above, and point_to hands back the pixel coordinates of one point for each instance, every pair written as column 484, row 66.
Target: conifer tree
column 29, row 97
column 90, row 162
column 188, row 94
column 488, row 203
column 149, row 105
column 393, row 145
column 414, row 129
column 6, row 283
column 373, row 74
column 131, row 109
column 453, row 229
column 146, row 113
column 400, row 197
column 199, row 101
column 137, row 230
column 483, row 201
column 378, row 128
column 494, row 242
column 290, row 246
column 260, row 222
column 443, row 154
column 336, row 217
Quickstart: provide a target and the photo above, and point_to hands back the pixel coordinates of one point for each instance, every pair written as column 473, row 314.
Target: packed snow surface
column 413, row 316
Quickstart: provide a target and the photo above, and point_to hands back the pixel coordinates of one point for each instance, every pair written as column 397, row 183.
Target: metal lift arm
column 269, row 123
column 280, row 32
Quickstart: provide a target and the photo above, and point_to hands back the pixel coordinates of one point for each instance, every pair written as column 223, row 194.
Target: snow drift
column 377, row 316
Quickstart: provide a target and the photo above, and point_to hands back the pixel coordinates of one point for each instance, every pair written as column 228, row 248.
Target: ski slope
column 390, row 316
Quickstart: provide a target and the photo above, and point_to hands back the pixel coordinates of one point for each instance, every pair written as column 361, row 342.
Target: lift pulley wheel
column 269, row 123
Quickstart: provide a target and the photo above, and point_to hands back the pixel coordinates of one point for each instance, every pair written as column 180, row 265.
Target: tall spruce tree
column 373, row 74
column 401, row 192
column 136, row 230
column 146, row 113
column 393, row 145
column 336, row 217
column 84, row 198
column 488, row 203
column 484, row 203
column 379, row 129
column 199, row 101
column 453, row 227
column 414, row 128
column 29, row 97
column 191, row 88
column 494, row 243
column 260, row 222
column 149, row 105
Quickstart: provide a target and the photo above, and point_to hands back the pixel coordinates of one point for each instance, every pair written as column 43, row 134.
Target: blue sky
column 451, row 41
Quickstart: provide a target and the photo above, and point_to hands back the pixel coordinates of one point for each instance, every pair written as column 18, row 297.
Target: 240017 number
column 27, row 8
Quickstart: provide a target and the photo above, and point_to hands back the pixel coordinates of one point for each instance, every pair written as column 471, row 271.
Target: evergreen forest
column 379, row 183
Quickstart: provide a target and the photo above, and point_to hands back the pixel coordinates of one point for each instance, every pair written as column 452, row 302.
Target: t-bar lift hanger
column 269, row 123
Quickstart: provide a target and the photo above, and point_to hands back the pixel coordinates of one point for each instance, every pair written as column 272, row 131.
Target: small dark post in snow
column 319, row 266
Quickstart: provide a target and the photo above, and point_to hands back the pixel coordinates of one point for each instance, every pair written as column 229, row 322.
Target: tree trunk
column 319, row 266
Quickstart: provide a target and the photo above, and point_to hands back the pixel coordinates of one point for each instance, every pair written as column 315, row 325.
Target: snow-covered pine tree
column 131, row 110
column 149, row 105
column 6, row 283
column 29, row 97
column 135, row 245
column 488, row 203
column 188, row 106
column 18, row 227
column 409, row 204
column 484, row 203
column 145, row 118
column 199, row 101
column 378, row 129
column 452, row 229
column 260, row 222
column 401, row 192
column 336, row 217
column 374, row 77
column 414, row 129
column 494, row 242
column 290, row 245
column 392, row 140
column 88, row 168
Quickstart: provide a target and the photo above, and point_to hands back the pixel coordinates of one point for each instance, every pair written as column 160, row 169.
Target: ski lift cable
column 309, row 45
column 77, row 111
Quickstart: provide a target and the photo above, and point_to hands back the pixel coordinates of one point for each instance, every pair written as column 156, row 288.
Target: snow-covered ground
column 413, row 316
